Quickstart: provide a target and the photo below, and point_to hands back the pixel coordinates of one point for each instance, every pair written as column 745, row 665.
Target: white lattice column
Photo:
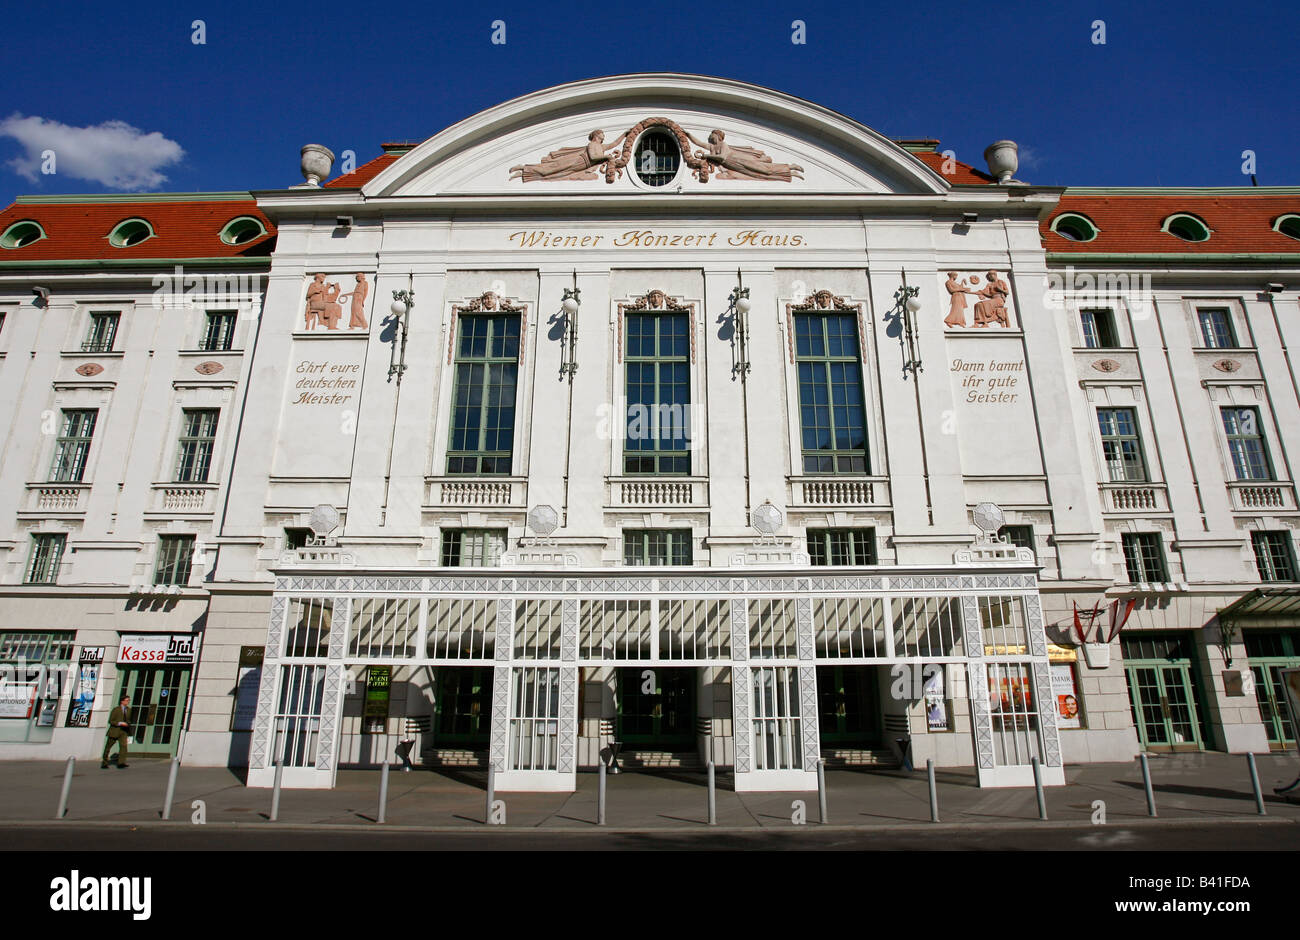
column 808, row 719
column 328, row 740
column 742, row 738
column 977, row 687
column 498, row 747
column 568, row 730
column 261, row 755
column 1054, row 770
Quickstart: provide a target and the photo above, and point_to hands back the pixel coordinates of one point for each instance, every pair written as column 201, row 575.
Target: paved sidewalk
column 1204, row 787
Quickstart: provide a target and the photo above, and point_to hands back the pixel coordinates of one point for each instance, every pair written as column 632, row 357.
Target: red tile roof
column 1130, row 224
column 954, row 172
column 364, row 173
column 182, row 229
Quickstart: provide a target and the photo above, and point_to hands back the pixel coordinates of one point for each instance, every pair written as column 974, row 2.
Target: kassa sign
column 157, row 649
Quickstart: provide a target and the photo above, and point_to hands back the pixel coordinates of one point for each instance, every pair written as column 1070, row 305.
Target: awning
column 1263, row 602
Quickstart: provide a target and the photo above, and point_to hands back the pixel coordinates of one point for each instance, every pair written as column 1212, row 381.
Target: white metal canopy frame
column 771, row 629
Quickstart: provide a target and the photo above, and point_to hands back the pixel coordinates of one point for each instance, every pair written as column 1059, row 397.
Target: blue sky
column 1173, row 97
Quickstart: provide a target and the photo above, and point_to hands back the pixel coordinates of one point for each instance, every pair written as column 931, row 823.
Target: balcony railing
column 1250, row 496
column 1130, row 497
column 654, row 491
column 61, row 497
column 459, row 491
column 837, row 491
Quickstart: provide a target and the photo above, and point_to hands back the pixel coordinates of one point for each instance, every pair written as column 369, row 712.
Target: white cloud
column 114, row 153
column 1029, row 157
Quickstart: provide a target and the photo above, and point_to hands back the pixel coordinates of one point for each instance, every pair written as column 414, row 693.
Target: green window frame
column 1246, row 443
column 1216, row 328
column 657, row 547
column 102, row 332
column 1121, row 445
column 842, row 546
column 483, row 395
column 175, row 556
column 472, row 548
column 1274, row 556
column 198, row 437
column 73, row 445
column 832, row 402
column 1144, row 558
column 219, row 334
column 657, row 374
column 1099, row 328
column 47, row 553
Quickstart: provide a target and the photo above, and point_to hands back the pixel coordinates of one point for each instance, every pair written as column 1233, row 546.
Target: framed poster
column 17, row 699
column 379, row 682
column 82, row 703
column 936, row 703
column 1068, row 712
column 246, row 688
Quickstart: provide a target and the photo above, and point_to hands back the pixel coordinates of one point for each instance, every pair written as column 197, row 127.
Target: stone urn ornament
column 1003, row 158
column 317, row 160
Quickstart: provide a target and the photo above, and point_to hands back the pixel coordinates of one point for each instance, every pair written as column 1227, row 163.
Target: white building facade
column 767, row 439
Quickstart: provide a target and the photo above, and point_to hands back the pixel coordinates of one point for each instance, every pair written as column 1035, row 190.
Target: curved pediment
column 717, row 135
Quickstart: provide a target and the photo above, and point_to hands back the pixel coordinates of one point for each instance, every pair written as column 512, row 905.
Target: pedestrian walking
column 119, row 726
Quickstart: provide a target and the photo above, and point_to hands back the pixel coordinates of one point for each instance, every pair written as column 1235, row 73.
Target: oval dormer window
column 657, row 158
column 1288, row 225
column 130, row 232
column 1187, row 227
column 1075, row 227
column 21, row 234
column 242, row 230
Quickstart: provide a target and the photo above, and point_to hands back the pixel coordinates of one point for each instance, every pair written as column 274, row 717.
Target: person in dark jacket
column 119, row 726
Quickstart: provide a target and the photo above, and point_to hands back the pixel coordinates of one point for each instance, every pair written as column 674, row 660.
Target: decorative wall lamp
column 571, row 304
column 403, row 301
column 740, row 305
column 907, row 303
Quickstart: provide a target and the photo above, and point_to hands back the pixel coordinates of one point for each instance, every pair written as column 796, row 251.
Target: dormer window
column 1187, row 227
column 129, row 233
column 1075, row 227
column 241, row 230
column 1288, row 225
column 21, row 234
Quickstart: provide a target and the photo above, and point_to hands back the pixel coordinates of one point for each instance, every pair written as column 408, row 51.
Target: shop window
column 842, row 546
column 47, row 553
column 219, row 334
column 175, row 556
column 657, row 367
column 1246, row 444
column 483, row 398
column 1121, row 447
column 1099, row 328
column 1216, row 328
column 832, row 406
column 1144, row 557
column 73, row 445
column 472, row 548
column 198, row 436
column 36, row 665
column 102, row 332
column 1274, row 556
column 657, row 547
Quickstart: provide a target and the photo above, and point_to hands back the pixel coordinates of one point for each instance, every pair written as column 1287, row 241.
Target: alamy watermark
column 180, row 290
column 1071, row 287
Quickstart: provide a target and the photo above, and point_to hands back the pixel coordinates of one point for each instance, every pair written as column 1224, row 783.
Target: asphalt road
column 1243, row 835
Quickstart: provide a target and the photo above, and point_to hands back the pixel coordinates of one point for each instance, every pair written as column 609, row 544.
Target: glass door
column 656, row 708
column 1273, row 711
column 847, row 703
column 1164, row 706
column 464, row 707
column 157, row 707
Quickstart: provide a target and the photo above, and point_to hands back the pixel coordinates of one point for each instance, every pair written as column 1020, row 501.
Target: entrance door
column 464, row 707
column 848, row 706
column 656, row 708
column 1164, row 706
column 1273, row 711
column 157, row 707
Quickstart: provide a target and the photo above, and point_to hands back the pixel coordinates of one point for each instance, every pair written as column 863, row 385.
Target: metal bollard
column 934, row 791
column 600, row 797
column 171, row 787
column 383, row 794
column 1038, row 789
column 67, row 788
column 713, row 796
column 1254, row 782
column 1146, row 782
column 491, row 792
column 275, row 790
column 821, row 790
